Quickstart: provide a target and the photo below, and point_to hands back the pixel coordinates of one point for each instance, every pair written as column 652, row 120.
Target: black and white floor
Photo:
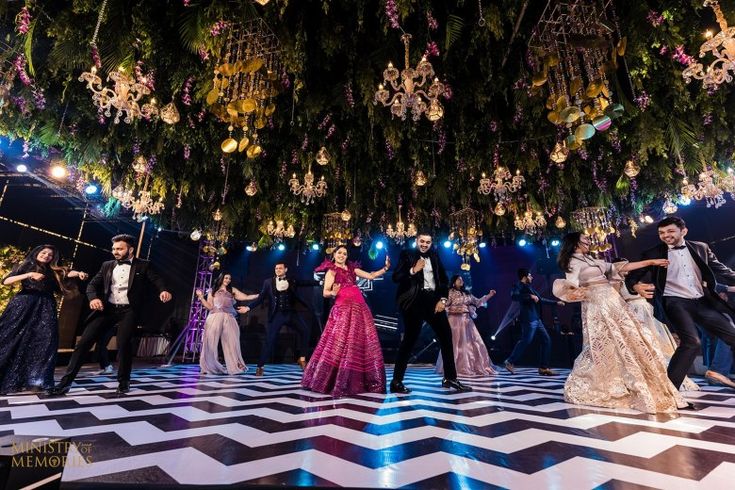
column 177, row 427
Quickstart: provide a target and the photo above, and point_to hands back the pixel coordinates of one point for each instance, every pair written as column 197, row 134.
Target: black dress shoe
column 123, row 387
column 456, row 385
column 398, row 387
column 62, row 388
column 690, row 406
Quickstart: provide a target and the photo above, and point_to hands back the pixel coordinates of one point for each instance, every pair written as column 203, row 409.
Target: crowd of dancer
column 629, row 358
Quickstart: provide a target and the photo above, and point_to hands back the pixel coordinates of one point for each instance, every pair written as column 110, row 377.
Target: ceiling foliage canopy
column 517, row 112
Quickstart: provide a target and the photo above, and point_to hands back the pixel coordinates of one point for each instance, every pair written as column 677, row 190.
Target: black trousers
column 683, row 314
column 98, row 325
column 103, row 355
column 281, row 318
column 422, row 310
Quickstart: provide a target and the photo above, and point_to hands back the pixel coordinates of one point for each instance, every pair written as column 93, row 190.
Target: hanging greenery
column 333, row 55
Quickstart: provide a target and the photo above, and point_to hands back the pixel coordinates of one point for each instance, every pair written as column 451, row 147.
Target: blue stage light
column 413, row 244
column 21, row 168
column 483, row 244
column 447, row 244
column 555, row 242
column 91, row 189
column 522, row 242
column 315, row 246
column 281, row 247
column 379, row 245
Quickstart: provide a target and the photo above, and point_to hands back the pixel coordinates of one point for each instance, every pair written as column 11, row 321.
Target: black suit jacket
column 710, row 268
column 268, row 293
column 142, row 277
column 410, row 285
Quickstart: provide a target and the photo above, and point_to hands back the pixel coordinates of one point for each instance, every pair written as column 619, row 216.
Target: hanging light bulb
column 195, row 235
column 631, row 168
column 217, row 216
column 169, row 114
column 346, row 215
column 251, row 189
column 322, row 156
column 420, row 179
column 499, row 209
column 560, row 223
column 669, row 206
column 560, row 153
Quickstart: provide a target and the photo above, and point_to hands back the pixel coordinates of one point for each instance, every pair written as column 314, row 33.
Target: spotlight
column 685, row 201
column 379, row 245
column 281, row 247
column 252, row 247
column 315, row 246
column 555, row 242
column 646, row 219
column 447, row 244
column 91, row 189
column 413, row 244
column 483, row 244
column 492, row 337
column 160, row 228
column 522, row 242
column 21, row 168
column 58, row 172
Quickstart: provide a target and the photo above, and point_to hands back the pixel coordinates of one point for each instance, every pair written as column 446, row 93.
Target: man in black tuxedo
column 281, row 293
column 688, row 289
column 117, row 295
column 422, row 296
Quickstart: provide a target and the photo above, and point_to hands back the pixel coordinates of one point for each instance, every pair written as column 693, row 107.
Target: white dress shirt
column 683, row 277
column 281, row 283
column 119, row 285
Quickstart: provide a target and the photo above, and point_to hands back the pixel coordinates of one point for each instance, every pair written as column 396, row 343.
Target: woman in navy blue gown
column 29, row 331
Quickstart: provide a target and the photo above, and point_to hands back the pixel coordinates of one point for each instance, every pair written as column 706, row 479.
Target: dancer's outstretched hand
column 165, row 297
column 644, row 290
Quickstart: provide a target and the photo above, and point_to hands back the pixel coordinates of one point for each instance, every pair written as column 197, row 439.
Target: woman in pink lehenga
column 222, row 324
column 347, row 360
column 470, row 354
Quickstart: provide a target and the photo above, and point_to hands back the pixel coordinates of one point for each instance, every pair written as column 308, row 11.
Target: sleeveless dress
column 222, row 325
column 348, row 359
column 29, row 335
column 470, row 353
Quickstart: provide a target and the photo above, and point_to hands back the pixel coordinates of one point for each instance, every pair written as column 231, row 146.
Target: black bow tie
column 281, row 279
column 123, row 262
column 427, row 255
column 678, row 247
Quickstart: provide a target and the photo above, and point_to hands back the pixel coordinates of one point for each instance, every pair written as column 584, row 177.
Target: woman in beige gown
column 618, row 366
column 221, row 324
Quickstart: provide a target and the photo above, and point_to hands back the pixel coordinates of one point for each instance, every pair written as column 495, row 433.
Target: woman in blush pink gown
column 470, row 354
column 348, row 359
column 221, row 324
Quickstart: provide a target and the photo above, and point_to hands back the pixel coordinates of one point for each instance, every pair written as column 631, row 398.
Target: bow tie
column 426, row 256
column 281, row 279
column 123, row 262
column 678, row 247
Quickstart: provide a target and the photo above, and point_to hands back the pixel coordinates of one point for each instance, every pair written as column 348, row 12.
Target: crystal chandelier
column 466, row 232
column 308, row 190
column 669, row 207
column 401, row 232
column 720, row 70
column 335, row 231
column 142, row 205
column 408, row 86
column 530, row 222
column 124, row 97
column 707, row 188
column 502, row 184
column 279, row 230
column 594, row 222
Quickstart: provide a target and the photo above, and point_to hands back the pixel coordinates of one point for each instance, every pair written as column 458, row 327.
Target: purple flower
column 643, row 100
column 203, row 54
column 654, row 18
column 518, row 116
column 325, row 121
column 583, row 154
column 187, row 151
column 26, row 149
column 388, row 152
column 19, row 63
column 493, row 126
column 442, row 141
column 391, row 11
column 186, row 91
column 447, row 94
column 707, row 119
column 23, row 21
column 305, row 143
column 431, row 49
column 663, row 50
column 431, row 21
column 187, row 3
column 331, row 131
column 218, row 27
column 349, row 98
column 96, row 57
column 285, row 81
column 345, row 144
column 680, row 56
column 38, row 98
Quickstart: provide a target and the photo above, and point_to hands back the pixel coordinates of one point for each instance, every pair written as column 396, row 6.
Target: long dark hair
column 568, row 246
column 453, row 280
column 30, row 264
column 218, row 283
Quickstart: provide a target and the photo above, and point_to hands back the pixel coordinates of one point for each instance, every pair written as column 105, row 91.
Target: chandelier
column 571, row 52
column 335, row 231
column 279, row 230
column 401, row 231
column 466, row 232
column 124, row 97
column 707, row 188
column 720, row 69
column 502, row 184
column 530, row 222
column 308, row 190
column 594, row 222
column 409, row 93
column 245, row 82
column 143, row 205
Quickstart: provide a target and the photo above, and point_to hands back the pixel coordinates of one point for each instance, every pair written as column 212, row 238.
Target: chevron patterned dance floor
column 177, row 427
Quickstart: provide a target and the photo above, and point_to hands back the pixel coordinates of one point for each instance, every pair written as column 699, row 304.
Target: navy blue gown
column 29, row 336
